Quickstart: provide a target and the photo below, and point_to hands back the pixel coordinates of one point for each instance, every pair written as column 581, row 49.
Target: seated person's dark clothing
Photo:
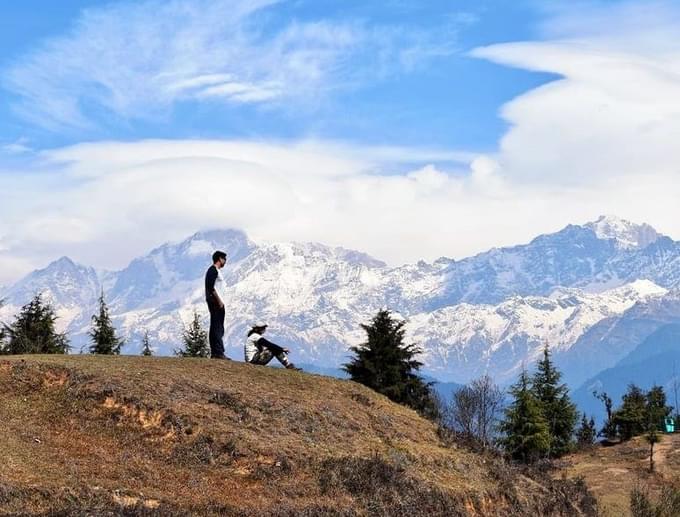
column 259, row 350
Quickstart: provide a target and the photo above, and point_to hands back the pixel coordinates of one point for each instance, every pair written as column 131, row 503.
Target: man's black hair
column 219, row 255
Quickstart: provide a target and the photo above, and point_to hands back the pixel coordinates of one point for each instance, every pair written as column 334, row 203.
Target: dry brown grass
column 613, row 472
column 83, row 435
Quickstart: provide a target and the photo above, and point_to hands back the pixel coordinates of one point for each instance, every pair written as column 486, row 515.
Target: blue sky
column 409, row 130
column 447, row 99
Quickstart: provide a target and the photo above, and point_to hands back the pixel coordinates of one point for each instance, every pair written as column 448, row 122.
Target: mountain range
column 591, row 292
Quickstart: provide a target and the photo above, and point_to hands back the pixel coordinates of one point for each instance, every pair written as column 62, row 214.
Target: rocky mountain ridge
column 573, row 289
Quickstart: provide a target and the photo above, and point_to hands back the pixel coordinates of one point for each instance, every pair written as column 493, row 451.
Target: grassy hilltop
column 612, row 473
column 82, row 435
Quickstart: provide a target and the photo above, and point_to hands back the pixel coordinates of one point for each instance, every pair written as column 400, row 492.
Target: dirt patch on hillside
column 612, row 472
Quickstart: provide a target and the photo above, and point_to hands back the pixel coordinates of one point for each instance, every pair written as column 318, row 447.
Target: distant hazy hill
column 655, row 361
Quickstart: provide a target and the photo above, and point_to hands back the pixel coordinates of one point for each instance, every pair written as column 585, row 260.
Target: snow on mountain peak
column 643, row 288
column 473, row 339
column 626, row 234
column 63, row 270
column 200, row 247
column 235, row 243
column 63, row 262
column 550, row 291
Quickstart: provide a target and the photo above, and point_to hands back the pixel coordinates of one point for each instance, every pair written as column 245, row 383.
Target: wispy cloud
column 601, row 138
column 611, row 113
column 137, row 59
column 18, row 147
column 103, row 203
column 89, row 199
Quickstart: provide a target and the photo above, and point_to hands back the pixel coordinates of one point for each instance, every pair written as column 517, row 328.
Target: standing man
column 215, row 306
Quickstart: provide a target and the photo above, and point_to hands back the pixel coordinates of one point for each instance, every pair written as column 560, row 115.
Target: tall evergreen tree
column 146, row 347
column 195, row 340
column 556, row 405
column 104, row 339
column 631, row 417
column 387, row 365
column 657, row 410
column 33, row 331
column 676, row 389
column 586, row 433
column 527, row 435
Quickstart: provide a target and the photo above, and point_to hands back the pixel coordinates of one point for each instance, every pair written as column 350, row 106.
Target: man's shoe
column 220, row 357
column 291, row 366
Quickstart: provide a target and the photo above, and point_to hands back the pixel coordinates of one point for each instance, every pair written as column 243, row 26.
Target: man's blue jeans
column 216, row 334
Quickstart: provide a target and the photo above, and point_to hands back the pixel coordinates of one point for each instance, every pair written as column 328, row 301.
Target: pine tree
column 527, row 435
column 387, row 365
column 631, row 417
column 676, row 387
column 146, row 347
column 586, row 433
column 33, row 331
column 657, row 410
column 104, row 339
column 195, row 340
column 557, row 408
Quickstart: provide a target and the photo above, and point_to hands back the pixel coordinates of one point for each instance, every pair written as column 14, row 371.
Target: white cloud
column 614, row 111
column 104, row 203
column 135, row 60
column 601, row 139
column 18, row 147
column 245, row 92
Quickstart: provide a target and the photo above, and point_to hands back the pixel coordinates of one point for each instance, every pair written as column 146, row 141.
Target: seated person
column 258, row 350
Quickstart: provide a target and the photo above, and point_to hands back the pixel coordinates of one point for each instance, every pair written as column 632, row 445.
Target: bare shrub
column 204, row 450
column 474, row 411
column 382, row 488
column 666, row 505
column 229, row 401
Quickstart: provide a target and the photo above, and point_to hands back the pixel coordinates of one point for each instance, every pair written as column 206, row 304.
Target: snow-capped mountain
column 593, row 257
column 170, row 271
column 465, row 341
column 491, row 312
column 70, row 288
column 626, row 235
